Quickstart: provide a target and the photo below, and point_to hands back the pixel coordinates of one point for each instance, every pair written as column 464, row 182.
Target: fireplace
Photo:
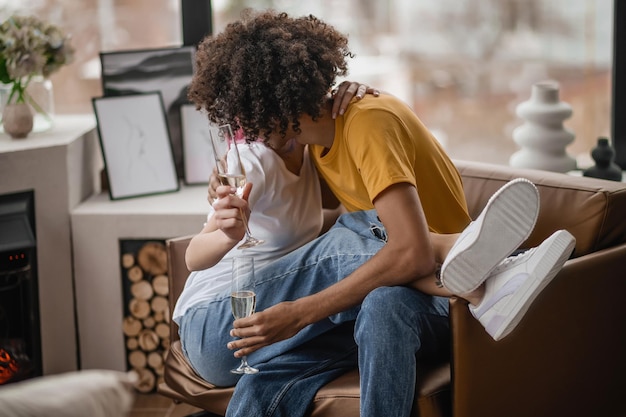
column 20, row 340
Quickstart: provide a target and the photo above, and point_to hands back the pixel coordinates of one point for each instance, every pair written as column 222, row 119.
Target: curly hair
column 264, row 71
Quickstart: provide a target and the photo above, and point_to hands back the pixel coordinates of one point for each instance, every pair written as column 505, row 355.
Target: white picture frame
column 198, row 156
column 136, row 146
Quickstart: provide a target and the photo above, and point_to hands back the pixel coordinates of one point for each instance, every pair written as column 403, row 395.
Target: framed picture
column 197, row 151
column 135, row 145
column 168, row 70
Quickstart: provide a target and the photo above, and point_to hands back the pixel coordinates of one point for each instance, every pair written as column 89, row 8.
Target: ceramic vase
column 542, row 137
column 17, row 120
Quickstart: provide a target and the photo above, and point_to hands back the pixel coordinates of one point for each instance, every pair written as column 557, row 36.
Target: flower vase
column 39, row 96
column 17, row 120
column 542, row 137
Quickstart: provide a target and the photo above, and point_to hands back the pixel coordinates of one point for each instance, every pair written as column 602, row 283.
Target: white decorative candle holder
column 542, row 137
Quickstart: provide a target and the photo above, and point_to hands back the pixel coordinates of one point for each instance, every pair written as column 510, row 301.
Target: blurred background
column 463, row 65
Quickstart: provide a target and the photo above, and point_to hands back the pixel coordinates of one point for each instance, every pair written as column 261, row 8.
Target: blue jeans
column 389, row 330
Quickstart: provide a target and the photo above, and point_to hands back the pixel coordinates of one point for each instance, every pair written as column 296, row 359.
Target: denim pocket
column 379, row 232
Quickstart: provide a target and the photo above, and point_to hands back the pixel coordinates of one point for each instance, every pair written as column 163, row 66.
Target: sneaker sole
column 506, row 221
column 557, row 254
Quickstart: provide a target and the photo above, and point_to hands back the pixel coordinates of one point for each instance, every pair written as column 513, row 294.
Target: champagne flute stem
column 245, row 222
column 249, row 240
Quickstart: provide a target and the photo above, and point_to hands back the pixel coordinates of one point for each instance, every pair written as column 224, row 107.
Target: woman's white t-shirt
column 286, row 212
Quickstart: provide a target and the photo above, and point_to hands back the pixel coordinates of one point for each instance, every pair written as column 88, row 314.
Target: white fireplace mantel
column 98, row 224
column 62, row 167
column 78, row 231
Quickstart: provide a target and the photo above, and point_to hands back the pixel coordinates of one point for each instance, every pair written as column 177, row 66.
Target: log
column 139, row 308
column 149, row 322
column 132, row 343
column 155, row 360
column 135, row 273
column 160, row 304
column 142, row 290
column 161, row 285
column 146, row 381
column 137, row 359
column 159, row 371
column 152, row 257
column 128, row 260
column 159, row 317
column 131, row 326
column 148, row 340
column 162, row 330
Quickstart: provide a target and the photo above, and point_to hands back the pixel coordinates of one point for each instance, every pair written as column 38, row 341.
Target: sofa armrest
column 589, row 208
column 565, row 358
column 178, row 273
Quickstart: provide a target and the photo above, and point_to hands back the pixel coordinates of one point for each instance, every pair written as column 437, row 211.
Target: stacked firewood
column 147, row 322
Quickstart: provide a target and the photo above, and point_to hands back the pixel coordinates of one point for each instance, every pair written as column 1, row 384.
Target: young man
column 269, row 74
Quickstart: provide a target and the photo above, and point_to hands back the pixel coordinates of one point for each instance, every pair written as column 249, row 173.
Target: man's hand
column 346, row 91
column 276, row 323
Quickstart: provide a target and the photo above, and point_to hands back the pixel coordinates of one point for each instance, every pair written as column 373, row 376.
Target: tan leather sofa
column 566, row 358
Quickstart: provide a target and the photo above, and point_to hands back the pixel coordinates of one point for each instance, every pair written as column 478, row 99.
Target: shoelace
column 514, row 260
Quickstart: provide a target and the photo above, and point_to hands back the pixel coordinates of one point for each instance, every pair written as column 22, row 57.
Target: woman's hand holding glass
column 274, row 324
column 231, row 173
column 228, row 209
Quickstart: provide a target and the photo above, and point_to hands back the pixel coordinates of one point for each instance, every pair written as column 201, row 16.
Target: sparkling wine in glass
column 243, row 299
column 230, row 171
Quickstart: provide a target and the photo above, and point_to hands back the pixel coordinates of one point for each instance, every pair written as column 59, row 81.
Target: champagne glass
column 243, row 299
column 230, row 171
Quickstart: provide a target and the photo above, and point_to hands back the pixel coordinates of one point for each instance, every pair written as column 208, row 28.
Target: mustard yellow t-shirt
column 379, row 142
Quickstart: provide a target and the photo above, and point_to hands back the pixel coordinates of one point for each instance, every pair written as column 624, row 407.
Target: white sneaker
column 503, row 225
column 515, row 283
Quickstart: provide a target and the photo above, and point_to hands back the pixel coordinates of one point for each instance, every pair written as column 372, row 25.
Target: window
column 95, row 26
column 463, row 65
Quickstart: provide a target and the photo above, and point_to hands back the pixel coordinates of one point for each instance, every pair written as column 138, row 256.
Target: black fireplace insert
column 20, row 339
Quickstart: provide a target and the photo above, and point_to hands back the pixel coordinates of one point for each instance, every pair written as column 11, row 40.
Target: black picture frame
column 136, row 147
column 168, row 70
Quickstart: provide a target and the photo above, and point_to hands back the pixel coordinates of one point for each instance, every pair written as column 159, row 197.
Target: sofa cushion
column 339, row 397
column 94, row 393
column 593, row 210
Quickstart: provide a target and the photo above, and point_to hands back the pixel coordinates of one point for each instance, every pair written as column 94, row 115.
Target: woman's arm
column 222, row 231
